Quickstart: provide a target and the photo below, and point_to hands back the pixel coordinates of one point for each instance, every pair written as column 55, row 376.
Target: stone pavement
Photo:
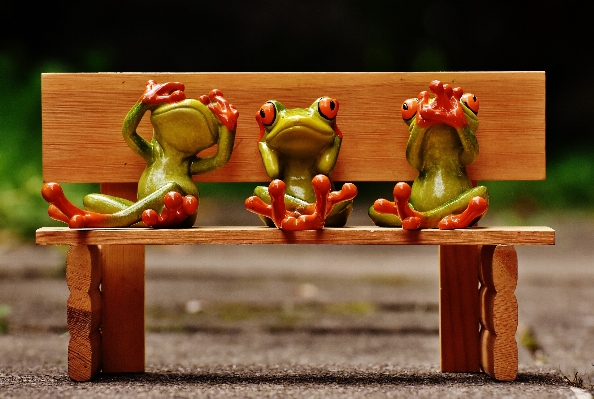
column 302, row 321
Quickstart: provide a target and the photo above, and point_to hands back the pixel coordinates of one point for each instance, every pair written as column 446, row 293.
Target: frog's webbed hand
column 315, row 218
column 445, row 107
column 154, row 95
column 159, row 93
column 225, row 111
column 227, row 114
column 411, row 219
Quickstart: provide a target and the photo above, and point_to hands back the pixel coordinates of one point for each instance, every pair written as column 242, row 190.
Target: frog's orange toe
column 402, row 191
column 277, row 188
column 411, row 223
column 190, row 204
column 77, row 222
column 150, row 218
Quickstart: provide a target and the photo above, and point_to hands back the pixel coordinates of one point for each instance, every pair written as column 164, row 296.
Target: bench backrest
column 83, row 114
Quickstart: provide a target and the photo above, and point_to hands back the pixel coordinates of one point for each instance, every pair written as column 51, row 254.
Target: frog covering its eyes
column 299, row 148
column 441, row 143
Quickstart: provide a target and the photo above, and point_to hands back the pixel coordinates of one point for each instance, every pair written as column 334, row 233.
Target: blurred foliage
column 5, row 311
column 335, row 35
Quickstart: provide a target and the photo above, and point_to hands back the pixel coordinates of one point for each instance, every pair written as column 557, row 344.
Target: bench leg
column 83, row 276
column 459, row 308
column 122, row 287
column 499, row 312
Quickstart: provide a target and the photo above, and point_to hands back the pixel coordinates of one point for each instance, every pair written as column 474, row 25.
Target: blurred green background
column 199, row 36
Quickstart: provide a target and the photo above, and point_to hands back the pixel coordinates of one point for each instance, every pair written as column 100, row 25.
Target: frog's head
column 300, row 132
column 449, row 105
column 187, row 126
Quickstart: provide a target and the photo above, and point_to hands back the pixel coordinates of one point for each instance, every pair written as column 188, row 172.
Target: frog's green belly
column 434, row 188
column 153, row 179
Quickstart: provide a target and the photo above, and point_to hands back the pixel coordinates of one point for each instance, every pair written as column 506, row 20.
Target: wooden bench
column 82, row 142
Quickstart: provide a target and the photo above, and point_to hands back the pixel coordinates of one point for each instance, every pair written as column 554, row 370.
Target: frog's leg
column 61, row 209
column 384, row 219
column 398, row 213
column 460, row 212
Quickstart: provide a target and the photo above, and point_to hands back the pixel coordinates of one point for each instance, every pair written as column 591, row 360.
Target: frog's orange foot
column 176, row 209
column 286, row 220
column 63, row 210
column 445, row 107
column 158, row 93
column 477, row 207
column 225, row 111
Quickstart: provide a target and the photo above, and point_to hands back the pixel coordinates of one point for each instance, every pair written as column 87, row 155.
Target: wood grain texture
column 82, row 116
column 84, row 310
column 499, row 312
column 360, row 235
column 123, row 300
column 459, row 308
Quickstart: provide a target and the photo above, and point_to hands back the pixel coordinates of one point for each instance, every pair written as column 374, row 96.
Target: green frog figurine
column 441, row 143
column 167, row 195
column 299, row 148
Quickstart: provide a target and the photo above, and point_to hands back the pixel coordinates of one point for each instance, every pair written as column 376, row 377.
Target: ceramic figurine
column 440, row 145
column 167, row 195
column 299, row 148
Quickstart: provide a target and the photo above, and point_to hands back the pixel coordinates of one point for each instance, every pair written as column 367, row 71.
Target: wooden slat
column 362, row 235
column 83, row 115
column 459, row 308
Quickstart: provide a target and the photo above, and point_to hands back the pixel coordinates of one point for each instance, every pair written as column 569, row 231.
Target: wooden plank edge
column 358, row 235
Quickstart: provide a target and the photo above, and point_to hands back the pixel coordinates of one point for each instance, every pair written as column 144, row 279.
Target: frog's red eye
column 266, row 114
column 409, row 109
column 471, row 102
column 328, row 107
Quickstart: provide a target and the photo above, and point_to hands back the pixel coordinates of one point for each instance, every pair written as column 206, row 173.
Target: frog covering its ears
column 167, row 195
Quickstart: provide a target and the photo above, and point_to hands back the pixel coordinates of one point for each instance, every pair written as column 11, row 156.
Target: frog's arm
column 470, row 148
column 134, row 140
column 414, row 152
column 328, row 157
column 270, row 160
column 225, row 147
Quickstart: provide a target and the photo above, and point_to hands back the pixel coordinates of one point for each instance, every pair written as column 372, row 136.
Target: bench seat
column 359, row 235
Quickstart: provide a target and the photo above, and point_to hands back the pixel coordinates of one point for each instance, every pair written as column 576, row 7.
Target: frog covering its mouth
column 299, row 148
